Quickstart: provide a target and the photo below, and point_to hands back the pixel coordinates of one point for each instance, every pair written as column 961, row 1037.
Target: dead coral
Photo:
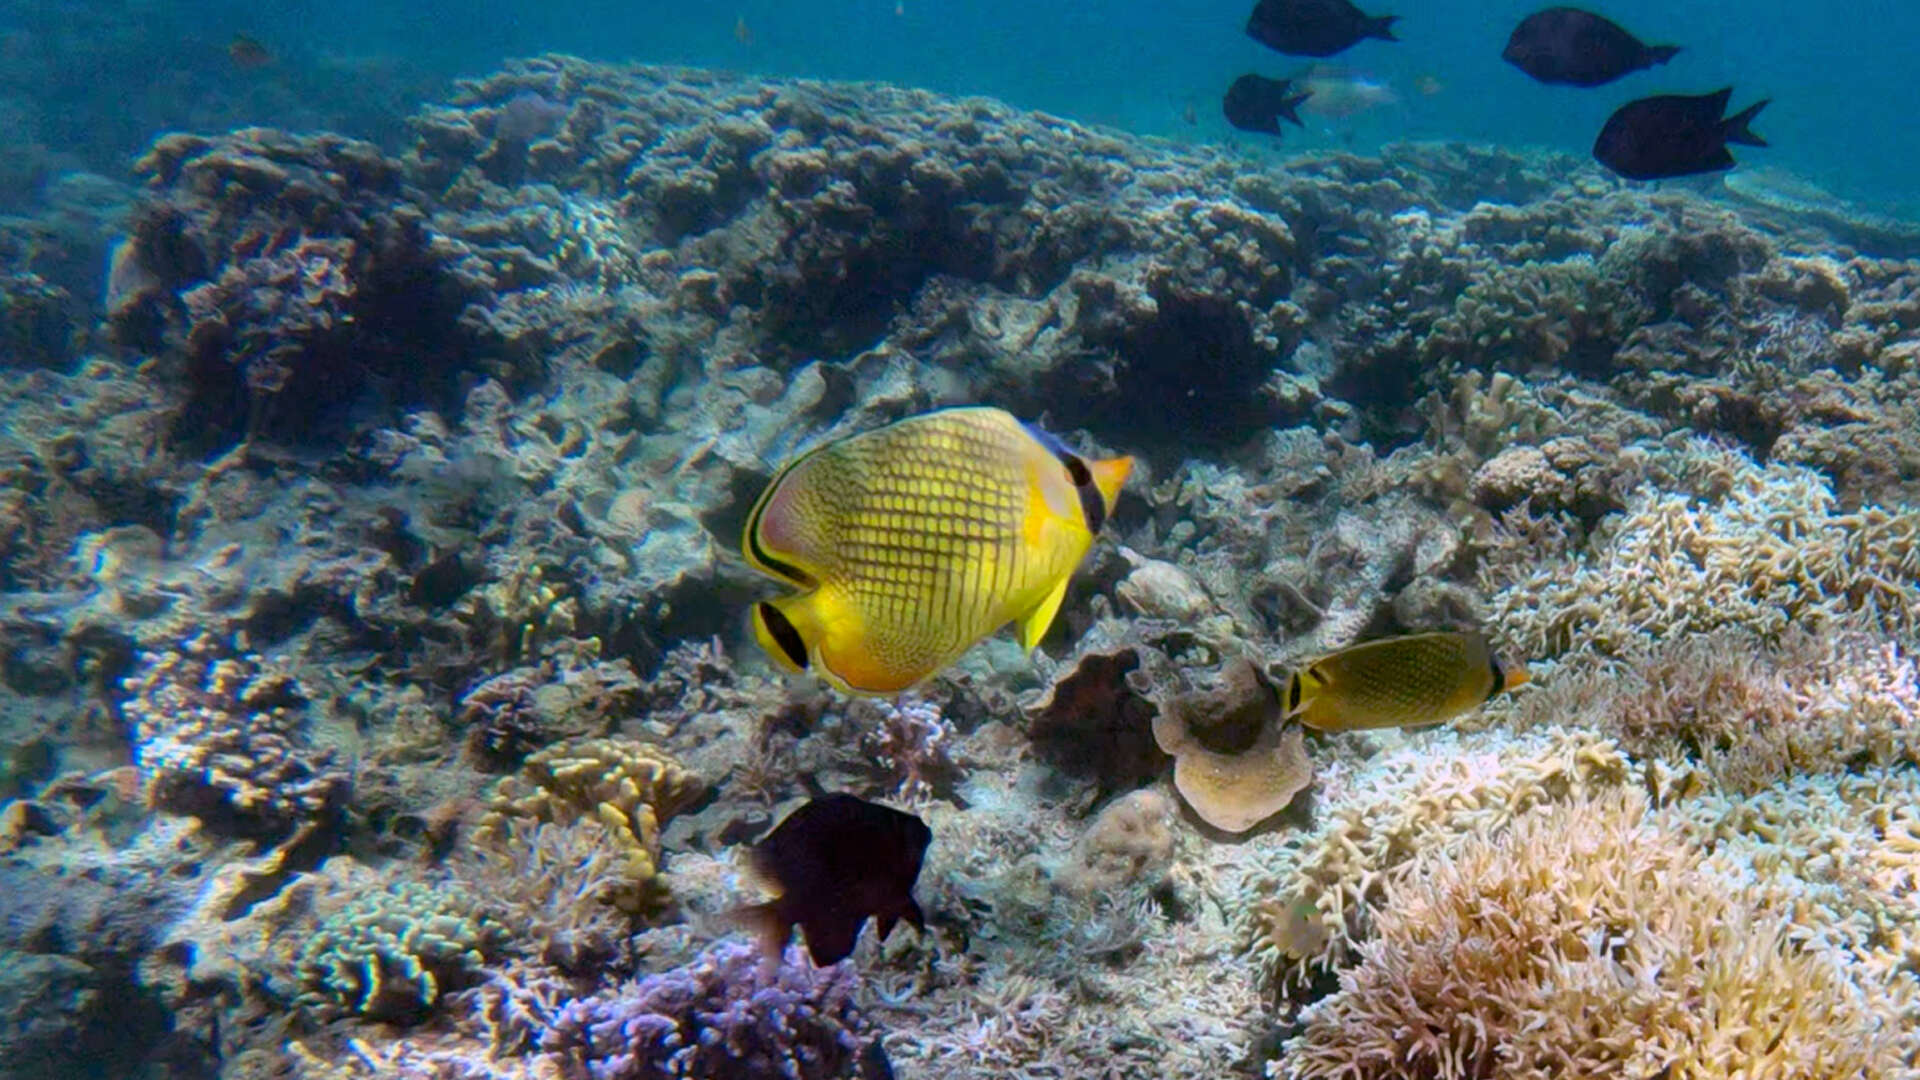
column 1129, row 842
column 1585, row 940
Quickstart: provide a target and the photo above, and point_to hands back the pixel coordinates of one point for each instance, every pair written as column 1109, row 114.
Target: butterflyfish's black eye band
column 781, row 629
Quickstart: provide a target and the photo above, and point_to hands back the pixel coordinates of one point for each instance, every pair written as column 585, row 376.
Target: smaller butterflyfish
column 914, row 541
column 1400, row 682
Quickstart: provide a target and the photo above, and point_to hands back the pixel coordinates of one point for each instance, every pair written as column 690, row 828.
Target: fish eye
column 1293, row 694
column 783, row 633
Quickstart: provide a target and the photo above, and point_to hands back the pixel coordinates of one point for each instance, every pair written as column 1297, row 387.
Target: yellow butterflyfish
column 1400, row 682
column 914, row 541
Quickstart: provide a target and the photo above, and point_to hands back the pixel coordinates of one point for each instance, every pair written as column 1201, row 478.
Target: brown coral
column 1237, row 761
column 223, row 738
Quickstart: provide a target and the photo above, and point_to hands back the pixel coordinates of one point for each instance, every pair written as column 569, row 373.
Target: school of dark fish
column 1650, row 138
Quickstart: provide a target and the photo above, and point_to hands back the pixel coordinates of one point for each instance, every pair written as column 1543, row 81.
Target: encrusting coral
column 627, row 787
column 1585, row 940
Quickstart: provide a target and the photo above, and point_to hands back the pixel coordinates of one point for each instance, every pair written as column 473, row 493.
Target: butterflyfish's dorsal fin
column 1033, row 625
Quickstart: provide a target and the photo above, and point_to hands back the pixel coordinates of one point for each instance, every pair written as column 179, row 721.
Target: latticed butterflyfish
column 1400, row 682
column 914, row 541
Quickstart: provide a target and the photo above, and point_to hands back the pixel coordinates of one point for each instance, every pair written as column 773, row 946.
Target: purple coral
column 912, row 740
column 721, row 1015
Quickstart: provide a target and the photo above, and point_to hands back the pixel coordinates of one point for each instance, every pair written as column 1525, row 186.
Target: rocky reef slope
column 375, row 694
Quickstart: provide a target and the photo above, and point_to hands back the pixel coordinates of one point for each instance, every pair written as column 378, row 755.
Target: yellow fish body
column 1400, row 682
column 914, row 541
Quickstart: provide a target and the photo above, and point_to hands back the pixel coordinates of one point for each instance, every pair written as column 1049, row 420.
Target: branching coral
column 555, row 888
column 391, row 954
column 1750, row 713
column 724, row 1014
column 1585, row 940
column 222, row 738
column 912, row 741
column 628, row 788
column 1310, row 916
column 1771, row 552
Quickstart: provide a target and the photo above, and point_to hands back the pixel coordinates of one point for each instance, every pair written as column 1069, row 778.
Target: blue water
column 1839, row 74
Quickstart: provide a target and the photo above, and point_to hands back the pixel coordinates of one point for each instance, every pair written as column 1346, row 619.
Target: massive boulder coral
column 390, row 954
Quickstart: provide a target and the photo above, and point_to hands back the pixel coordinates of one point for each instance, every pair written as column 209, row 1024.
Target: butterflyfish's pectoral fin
column 1033, row 625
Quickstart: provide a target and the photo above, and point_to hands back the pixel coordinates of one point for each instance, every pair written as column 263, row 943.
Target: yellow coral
column 627, row 787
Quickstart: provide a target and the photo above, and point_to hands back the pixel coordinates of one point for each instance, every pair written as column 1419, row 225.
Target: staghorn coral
column 1308, row 915
column 726, row 1013
column 391, row 954
column 627, row 788
column 1769, row 551
column 223, row 738
column 1584, row 940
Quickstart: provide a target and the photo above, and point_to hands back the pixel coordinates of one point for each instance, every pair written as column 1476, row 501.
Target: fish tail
column 770, row 931
column 1660, row 54
column 1382, row 28
column 1735, row 126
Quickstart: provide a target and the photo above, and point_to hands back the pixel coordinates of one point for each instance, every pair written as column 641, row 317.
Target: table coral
column 222, row 737
column 1585, row 940
column 627, row 787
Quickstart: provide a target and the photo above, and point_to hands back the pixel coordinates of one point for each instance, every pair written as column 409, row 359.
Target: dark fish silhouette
column 1256, row 104
column 1674, row 135
column 1315, row 27
column 1578, row 48
column 247, row 54
column 835, row 862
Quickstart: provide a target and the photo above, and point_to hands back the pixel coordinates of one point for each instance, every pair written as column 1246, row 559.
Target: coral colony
column 380, row 701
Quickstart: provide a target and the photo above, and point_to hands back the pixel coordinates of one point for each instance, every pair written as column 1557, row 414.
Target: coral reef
column 627, row 788
column 723, row 1014
column 1617, row 952
column 391, row 954
column 421, row 465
